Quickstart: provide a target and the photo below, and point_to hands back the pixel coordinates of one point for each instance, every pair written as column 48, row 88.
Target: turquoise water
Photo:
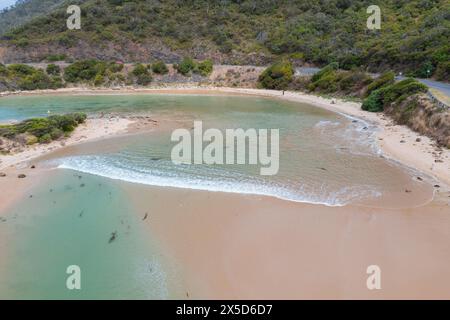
column 69, row 221
column 325, row 158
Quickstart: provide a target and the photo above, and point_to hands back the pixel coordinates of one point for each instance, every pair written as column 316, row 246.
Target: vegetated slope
column 25, row 10
column 414, row 37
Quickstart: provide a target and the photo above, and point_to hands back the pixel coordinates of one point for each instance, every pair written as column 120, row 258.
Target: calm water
column 325, row 158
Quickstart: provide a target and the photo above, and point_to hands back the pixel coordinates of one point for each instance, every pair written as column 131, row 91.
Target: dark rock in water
column 402, row 141
column 408, row 191
column 418, row 140
column 33, row 167
column 323, row 169
column 82, row 185
column 419, row 178
column 31, row 196
column 21, row 176
column 2, row 174
column 81, row 214
column 113, row 237
column 156, row 159
column 146, row 216
column 354, row 121
column 365, row 128
column 437, row 186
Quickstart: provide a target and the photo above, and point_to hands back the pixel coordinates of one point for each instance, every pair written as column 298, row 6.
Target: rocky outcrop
column 422, row 115
column 128, row 51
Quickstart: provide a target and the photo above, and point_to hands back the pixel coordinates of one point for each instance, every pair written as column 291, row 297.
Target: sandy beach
column 257, row 247
column 248, row 247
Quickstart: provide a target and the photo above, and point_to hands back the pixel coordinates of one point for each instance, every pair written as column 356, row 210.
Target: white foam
column 98, row 165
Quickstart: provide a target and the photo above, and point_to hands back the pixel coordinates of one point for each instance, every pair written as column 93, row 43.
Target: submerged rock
column 2, row 174
column 21, row 176
column 113, row 237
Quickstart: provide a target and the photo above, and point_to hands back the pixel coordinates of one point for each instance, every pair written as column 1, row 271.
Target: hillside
column 24, row 11
column 414, row 37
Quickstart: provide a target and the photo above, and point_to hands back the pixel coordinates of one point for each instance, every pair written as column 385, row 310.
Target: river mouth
column 325, row 159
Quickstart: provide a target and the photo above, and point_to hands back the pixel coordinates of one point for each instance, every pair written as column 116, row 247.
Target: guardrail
column 436, row 100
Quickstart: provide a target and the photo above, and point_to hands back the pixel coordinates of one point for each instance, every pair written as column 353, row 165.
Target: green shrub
column 139, row 70
column 328, row 83
column 53, row 69
column 115, row 67
column 141, row 74
column 354, row 80
column 20, row 69
column 374, row 102
column 443, row 71
column 99, row 79
column 37, row 80
column 381, row 98
column 383, row 80
column 44, row 129
column 186, row 66
column 425, row 70
column 160, row 67
column 84, row 70
column 144, row 79
column 278, row 76
column 205, row 68
column 3, row 70
column 46, row 138
column 324, row 71
column 56, row 57
column 403, row 89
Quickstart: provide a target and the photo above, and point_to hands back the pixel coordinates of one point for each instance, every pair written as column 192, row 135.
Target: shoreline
column 396, row 142
column 230, row 246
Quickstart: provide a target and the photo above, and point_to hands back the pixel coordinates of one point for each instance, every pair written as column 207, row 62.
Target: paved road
column 441, row 86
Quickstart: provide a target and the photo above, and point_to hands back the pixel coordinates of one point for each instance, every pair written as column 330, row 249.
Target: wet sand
column 248, row 247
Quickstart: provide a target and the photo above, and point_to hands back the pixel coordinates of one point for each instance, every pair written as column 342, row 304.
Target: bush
column 53, row 69
column 44, row 129
column 84, row 70
column 141, row 74
column 21, row 70
column 383, row 80
column 354, row 80
column 403, row 89
column 324, row 71
column 144, row 79
column 381, row 98
column 186, row 66
column 38, row 81
column 46, row 138
column 99, row 79
column 443, row 71
column 56, row 57
column 205, row 68
column 277, row 77
column 160, row 67
column 139, row 70
column 374, row 102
